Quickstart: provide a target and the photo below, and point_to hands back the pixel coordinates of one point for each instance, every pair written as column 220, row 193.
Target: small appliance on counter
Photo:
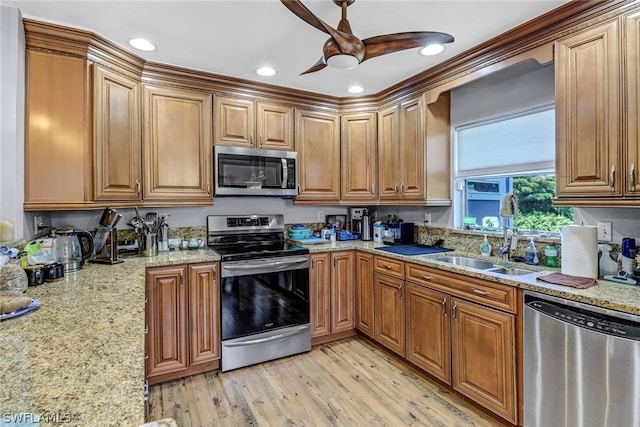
column 356, row 220
column 361, row 222
column 71, row 247
column 399, row 233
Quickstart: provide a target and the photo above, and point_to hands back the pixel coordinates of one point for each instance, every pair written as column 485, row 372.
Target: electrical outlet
column 321, row 216
column 427, row 219
column 605, row 230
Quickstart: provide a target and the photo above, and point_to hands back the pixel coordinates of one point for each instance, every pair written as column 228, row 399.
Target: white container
column 378, row 229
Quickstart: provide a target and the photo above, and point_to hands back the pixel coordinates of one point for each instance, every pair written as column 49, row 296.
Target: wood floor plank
column 347, row 383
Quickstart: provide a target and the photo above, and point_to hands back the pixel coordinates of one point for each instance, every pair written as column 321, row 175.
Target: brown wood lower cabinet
column 182, row 319
column 484, row 367
column 389, row 309
column 462, row 330
column 428, row 331
column 332, row 294
column 364, row 293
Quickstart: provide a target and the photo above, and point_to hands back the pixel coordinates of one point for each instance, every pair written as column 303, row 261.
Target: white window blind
column 522, row 142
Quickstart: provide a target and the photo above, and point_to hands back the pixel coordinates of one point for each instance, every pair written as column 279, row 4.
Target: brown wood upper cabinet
column 318, row 147
column 58, row 149
column 359, row 157
column 177, row 146
column 414, row 153
column 596, row 162
column 117, row 136
column 247, row 123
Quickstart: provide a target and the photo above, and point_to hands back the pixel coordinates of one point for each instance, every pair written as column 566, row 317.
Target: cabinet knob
column 138, row 187
column 453, row 311
column 251, row 138
column 444, row 307
column 400, row 291
column 260, row 140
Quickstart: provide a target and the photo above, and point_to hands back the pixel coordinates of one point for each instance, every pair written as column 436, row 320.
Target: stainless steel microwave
column 244, row 171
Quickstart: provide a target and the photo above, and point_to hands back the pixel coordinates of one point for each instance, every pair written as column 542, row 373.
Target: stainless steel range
column 264, row 292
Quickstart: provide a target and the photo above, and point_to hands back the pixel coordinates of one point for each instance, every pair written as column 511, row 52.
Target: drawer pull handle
column 479, row 292
column 612, row 178
column 400, row 291
column 388, row 267
column 453, row 311
column 424, row 277
column 444, row 307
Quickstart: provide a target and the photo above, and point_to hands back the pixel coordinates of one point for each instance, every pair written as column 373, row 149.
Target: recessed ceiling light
column 142, row 44
column 432, row 49
column 265, row 71
column 355, row 89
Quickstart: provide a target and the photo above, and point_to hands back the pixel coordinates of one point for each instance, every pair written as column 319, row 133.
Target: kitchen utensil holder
column 108, row 254
column 151, row 244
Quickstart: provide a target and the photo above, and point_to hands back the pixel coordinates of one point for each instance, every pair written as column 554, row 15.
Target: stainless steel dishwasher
column 581, row 364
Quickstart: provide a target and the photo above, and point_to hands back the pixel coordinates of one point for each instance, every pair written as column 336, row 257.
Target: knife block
column 108, row 253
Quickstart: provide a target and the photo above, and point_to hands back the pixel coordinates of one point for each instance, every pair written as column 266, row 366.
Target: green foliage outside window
column 534, row 194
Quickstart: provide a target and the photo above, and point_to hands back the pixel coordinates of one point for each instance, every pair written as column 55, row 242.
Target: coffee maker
column 356, row 220
column 361, row 222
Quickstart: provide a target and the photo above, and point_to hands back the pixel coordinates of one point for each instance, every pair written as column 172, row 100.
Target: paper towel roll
column 579, row 251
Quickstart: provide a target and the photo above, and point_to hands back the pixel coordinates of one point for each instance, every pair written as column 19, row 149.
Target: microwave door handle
column 285, row 173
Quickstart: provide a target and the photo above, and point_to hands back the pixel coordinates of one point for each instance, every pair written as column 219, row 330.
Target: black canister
column 53, row 272
column 35, row 275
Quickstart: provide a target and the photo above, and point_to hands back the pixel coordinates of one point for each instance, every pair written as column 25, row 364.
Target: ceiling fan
column 344, row 50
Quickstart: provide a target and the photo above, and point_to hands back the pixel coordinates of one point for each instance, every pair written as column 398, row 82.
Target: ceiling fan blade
column 316, row 67
column 381, row 45
column 305, row 14
column 348, row 43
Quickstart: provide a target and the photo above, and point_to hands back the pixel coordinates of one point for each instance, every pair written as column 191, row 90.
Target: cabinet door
column 275, row 127
column 320, row 294
column 484, row 367
column 318, row 147
column 58, row 154
column 177, row 146
column 235, row 122
column 438, row 151
column 342, row 292
column 411, row 150
column 166, row 316
column 388, row 132
column 389, row 312
column 204, row 323
column 359, row 158
column 428, row 331
column 364, row 293
column 632, row 165
column 118, row 151
column 588, row 161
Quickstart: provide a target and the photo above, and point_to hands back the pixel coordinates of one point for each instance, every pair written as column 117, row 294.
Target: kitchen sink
column 510, row 272
column 480, row 264
column 465, row 262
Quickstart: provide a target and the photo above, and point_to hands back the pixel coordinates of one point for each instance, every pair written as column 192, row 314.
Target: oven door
column 265, row 294
column 265, row 310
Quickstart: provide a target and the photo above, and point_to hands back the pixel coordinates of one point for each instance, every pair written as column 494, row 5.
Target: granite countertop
column 606, row 294
column 79, row 358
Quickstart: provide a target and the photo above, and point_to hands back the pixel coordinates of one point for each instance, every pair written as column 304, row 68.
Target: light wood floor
column 344, row 383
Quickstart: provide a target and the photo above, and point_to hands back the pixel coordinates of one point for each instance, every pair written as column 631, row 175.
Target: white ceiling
column 235, row 37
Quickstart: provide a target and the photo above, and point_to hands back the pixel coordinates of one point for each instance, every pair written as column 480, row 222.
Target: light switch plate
column 605, row 230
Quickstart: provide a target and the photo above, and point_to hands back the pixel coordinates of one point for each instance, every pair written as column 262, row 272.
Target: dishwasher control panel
column 597, row 322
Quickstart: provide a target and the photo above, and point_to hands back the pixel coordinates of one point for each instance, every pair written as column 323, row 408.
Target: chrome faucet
column 505, row 251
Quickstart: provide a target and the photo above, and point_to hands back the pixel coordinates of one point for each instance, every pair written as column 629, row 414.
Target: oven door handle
column 267, row 339
column 264, row 265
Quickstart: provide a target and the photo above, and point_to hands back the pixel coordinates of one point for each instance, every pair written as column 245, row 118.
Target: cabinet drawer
column 389, row 266
column 484, row 292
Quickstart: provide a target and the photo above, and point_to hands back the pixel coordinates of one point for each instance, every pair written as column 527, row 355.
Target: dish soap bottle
column 485, row 247
column 551, row 255
column 531, row 254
